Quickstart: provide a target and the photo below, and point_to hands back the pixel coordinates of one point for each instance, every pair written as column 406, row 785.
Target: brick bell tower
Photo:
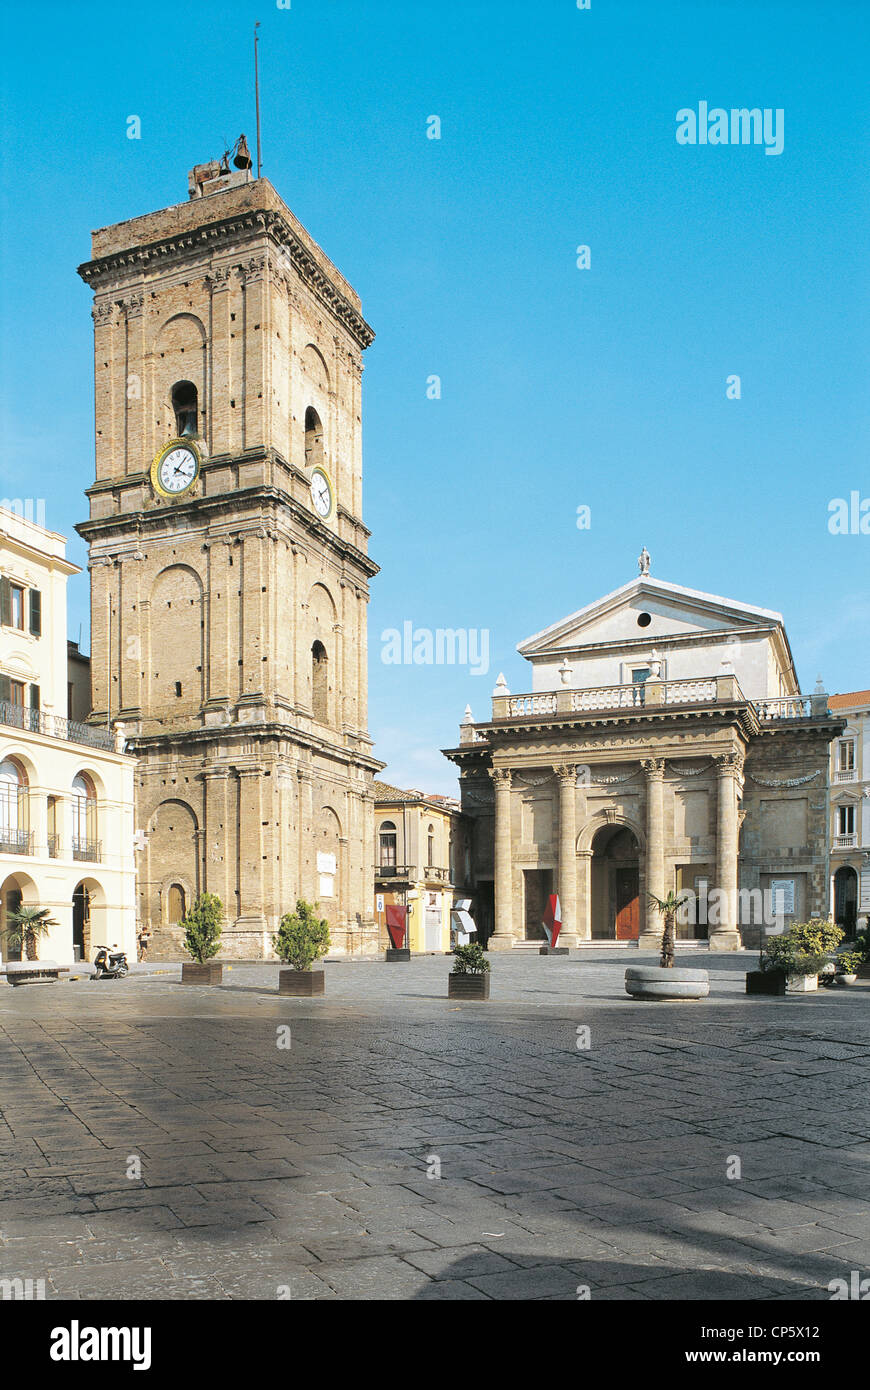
column 229, row 560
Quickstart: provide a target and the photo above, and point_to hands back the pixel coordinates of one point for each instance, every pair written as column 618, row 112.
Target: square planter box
column 302, row 983
column 801, row 984
column 553, row 951
column 468, row 986
column 192, row 973
column 765, row 982
column 398, row 953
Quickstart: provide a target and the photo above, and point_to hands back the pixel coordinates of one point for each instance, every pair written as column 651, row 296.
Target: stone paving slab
column 559, row 1167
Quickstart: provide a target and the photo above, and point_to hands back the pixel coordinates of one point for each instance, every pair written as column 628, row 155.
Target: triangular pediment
column 673, row 611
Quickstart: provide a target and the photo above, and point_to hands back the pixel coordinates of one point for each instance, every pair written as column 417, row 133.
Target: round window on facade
column 644, row 619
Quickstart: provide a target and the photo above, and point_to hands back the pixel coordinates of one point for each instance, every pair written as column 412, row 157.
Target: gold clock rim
column 165, row 449
column 319, row 468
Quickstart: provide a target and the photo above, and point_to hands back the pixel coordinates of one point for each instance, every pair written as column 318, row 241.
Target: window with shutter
column 5, row 602
column 5, row 689
column 36, row 612
column 34, row 697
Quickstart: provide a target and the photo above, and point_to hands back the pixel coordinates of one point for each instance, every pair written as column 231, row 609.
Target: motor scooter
column 110, row 964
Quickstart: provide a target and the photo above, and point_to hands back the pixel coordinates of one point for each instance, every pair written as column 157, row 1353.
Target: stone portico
column 607, row 793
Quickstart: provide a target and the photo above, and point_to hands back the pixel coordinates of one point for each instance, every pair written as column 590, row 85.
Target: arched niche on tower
column 178, row 356
column 176, row 638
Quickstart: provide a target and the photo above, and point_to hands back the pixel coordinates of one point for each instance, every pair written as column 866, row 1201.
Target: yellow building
column 419, row 861
column 66, row 788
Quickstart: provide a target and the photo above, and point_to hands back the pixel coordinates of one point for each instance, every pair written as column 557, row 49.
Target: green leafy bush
column 202, row 927
column 783, row 953
column 816, row 937
column 470, row 960
column 302, row 938
column 849, row 962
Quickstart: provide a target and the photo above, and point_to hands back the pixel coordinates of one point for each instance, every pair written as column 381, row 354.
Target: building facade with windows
column 664, row 744
column 850, row 812
column 421, row 863
column 66, row 787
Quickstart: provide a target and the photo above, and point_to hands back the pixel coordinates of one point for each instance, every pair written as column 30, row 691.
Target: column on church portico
column 651, row 935
column 724, row 934
column 503, row 936
column 567, row 775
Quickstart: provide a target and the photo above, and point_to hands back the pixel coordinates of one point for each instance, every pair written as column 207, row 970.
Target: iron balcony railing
column 88, row 850
column 16, row 841
column 36, row 721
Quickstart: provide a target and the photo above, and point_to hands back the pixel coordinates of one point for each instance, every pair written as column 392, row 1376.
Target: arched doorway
column 15, row 890
column 846, row 899
column 615, row 893
column 90, row 919
column 82, row 923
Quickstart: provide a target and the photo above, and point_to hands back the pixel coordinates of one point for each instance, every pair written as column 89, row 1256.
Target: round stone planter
column 654, row 982
column 843, row 981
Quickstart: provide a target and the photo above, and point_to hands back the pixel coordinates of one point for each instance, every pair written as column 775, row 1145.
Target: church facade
column 664, row 745
column 229, row 561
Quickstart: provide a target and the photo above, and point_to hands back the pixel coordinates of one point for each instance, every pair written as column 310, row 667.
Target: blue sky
column 560, row 386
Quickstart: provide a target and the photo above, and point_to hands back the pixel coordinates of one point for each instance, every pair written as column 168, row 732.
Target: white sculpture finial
column 643, row 561
column 501, row 685
column 468, row 717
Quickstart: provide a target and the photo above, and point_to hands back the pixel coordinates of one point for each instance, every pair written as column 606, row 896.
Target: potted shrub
column 665, row 981
column 202, row 940
column 798, row 967
column 469, row 978
column 790, row 964
column 302, row 938
column 848, row 963
column 862, row 946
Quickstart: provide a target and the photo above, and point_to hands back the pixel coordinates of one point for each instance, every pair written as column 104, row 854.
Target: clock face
column 175, row 469
column 321, row 492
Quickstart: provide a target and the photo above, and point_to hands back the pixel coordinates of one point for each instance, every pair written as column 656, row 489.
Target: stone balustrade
column 652, row 693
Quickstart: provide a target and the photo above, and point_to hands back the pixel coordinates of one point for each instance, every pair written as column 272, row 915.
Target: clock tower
column 229, row 560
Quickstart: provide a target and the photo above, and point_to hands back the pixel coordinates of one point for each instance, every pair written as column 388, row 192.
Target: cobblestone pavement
column 266, row 1168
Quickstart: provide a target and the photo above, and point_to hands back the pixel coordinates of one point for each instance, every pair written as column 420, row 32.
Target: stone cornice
column 101, row 274
column 145, row 520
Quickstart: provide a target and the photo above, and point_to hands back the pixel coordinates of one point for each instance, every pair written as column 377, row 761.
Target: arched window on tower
column 319, row 687
column 430, row 847
column 313, row 439
column 186, row 406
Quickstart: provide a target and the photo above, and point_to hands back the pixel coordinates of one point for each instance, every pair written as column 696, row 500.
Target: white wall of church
column 753, row 660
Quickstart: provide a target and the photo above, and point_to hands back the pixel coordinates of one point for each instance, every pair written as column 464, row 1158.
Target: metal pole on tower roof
column 257, row 91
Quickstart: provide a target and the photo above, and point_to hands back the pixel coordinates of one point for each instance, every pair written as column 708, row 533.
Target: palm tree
column 26, row 926
column 668, row 907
